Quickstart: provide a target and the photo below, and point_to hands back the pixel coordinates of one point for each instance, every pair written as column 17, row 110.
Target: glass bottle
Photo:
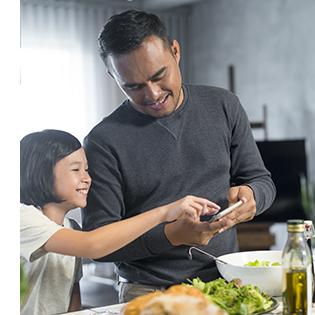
column 297, row 272
column 309, row 235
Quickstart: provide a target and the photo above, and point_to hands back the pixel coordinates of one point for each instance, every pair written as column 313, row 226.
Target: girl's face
column 72, row 180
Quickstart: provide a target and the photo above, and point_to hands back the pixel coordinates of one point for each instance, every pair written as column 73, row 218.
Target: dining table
column 115, row 308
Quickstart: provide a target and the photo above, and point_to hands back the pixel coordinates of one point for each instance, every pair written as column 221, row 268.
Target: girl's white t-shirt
column 50, row 276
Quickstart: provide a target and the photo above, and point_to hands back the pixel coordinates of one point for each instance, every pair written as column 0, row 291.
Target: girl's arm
column 75, row 301
column 107, row 239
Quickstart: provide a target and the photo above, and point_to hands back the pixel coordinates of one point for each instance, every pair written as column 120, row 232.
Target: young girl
column 54, row 179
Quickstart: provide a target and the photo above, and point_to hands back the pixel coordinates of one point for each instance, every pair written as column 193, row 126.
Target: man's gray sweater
column 138, row 162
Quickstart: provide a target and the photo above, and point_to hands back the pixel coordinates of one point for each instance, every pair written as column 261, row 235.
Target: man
column 165, row 141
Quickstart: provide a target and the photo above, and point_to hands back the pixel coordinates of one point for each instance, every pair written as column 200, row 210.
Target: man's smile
column 158, row 105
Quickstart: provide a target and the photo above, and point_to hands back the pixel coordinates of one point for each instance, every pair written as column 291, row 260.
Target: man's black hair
column 126, row 32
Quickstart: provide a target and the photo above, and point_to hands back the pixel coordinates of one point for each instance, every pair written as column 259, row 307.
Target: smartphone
column 225, row 211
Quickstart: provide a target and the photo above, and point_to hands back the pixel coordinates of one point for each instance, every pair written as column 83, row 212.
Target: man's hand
column 247, row 210
column 192, row 233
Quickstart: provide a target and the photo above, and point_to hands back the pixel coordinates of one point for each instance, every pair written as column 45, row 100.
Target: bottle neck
column 297, row 239
column 296, row 234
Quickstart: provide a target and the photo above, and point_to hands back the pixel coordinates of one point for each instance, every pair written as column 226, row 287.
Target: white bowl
column 268, row 279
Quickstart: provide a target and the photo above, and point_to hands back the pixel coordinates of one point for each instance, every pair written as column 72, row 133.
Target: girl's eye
column 75, row 170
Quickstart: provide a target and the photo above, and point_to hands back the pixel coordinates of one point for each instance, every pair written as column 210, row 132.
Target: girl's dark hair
column 126, row 32
column 39, row 153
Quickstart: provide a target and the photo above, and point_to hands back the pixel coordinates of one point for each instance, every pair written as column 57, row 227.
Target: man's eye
column 158, row 79
column 136, row 88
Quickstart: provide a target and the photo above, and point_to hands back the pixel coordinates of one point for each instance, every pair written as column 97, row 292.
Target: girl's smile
column 83, row 191
column 72, row 180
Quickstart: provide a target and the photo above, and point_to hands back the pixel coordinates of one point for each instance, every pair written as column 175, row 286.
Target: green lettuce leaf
column 243, row 300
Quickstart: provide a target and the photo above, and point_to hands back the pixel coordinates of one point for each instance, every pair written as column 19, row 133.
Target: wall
column 271, row 44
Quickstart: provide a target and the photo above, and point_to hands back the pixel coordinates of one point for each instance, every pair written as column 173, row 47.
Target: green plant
column 23, row 282
column 308, row 197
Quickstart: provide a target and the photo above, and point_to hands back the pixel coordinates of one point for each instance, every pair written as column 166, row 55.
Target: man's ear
column 176, row 50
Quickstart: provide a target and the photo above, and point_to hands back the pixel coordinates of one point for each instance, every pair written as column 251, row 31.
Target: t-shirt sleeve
column 35, row 230
column 78, row 274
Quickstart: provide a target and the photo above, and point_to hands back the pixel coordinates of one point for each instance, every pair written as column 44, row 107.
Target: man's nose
column 152, row 91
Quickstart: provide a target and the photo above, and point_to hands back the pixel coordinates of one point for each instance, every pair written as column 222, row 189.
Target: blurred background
column 263, row 51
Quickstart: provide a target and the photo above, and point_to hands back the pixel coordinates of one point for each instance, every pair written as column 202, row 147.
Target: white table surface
column 115, row 308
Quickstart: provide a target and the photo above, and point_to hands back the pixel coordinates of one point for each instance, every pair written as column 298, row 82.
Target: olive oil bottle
column 297, row 272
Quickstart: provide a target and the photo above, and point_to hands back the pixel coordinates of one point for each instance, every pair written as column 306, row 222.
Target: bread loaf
column 177, row 300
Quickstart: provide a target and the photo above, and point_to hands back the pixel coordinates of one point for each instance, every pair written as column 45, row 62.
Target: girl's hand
column 190, row 206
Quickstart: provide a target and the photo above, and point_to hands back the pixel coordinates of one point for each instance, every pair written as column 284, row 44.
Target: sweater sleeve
column 247, row 167
column 106, row 205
